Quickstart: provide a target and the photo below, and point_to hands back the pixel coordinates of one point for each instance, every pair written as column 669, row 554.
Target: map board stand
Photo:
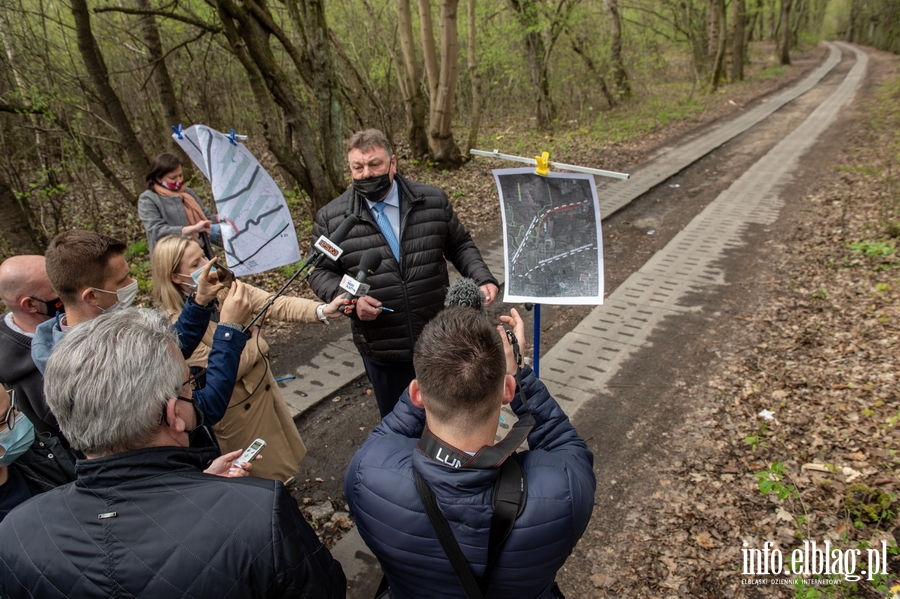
column 547, row 260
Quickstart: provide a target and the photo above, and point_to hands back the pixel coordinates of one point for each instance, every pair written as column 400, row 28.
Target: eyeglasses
column 194, row 380
column 10, row 419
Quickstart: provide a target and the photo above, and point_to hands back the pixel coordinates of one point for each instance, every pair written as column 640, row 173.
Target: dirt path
column 677, row 496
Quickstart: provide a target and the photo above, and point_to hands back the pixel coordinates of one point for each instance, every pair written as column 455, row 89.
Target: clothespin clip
column 178, row 130
column 233, row 138
column 543, row 164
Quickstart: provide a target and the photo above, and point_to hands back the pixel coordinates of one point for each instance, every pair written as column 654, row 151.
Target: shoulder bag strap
column 508, row 502
column 448, row 541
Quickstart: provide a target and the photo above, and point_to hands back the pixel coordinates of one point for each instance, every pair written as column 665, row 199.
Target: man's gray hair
column 108, row 380
column 367, row 139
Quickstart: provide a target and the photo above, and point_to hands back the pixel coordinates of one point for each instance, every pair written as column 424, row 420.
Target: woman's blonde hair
column 166, row 257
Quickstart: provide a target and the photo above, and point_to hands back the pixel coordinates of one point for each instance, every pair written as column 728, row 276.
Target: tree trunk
column 441, row 82
column 851, row 26
column 247, row 28
column 615, row 47
column 738, row 18
column 96, row 69
column 411, row 85
column 785, row 43
column 718, row 66
column 713, row 31
column 326, row 88
column 164, row 88
column 526, row 12
column 475, row 76
column 15, row 225
column 443, row 147
column 773, row 20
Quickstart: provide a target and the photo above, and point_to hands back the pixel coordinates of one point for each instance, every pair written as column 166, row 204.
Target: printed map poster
column 257, row 229
column 553, row 248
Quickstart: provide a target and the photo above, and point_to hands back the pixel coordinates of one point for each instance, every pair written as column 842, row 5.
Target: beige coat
column 257, row 408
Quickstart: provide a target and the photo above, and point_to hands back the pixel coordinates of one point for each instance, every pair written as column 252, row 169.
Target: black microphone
column 466, row 293
column 368, row 264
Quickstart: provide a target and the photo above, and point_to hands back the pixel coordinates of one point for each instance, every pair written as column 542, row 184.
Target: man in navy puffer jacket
column 464, row 367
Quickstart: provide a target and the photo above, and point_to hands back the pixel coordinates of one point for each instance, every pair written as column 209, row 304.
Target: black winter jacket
column 150, row 524
column 415, row 288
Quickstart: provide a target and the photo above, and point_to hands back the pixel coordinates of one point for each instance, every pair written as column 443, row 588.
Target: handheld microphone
column 466, row 293
column 368, row 264
column 331, row 247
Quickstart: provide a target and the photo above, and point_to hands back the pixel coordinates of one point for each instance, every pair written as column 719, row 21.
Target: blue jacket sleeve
column 191, row 326
column 405, row 419
column 554, row 434
column 221, row 373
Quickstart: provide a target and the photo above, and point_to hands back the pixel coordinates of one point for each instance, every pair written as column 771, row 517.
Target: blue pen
column 385, row 308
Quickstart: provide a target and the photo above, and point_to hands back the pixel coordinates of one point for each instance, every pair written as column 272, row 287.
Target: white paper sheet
column 257, row 229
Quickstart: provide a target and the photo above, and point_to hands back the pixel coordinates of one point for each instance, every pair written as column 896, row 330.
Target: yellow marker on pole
column 543, row 164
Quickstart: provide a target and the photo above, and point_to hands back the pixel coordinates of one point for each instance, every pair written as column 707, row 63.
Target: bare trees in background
column 89, row 89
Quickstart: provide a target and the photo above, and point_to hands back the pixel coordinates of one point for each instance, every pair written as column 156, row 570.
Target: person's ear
column 175, row 280
column 89, row 297
column 415, row 395
column 509, row 389
column 26, row 304
column 393, row 168
column 175, row 422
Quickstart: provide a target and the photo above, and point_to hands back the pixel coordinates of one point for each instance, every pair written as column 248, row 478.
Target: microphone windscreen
column 370, row 261
column 466, row 293
column 340, row 234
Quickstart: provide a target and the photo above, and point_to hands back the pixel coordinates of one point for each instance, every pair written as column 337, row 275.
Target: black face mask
column 52, row 306
column 375, row 188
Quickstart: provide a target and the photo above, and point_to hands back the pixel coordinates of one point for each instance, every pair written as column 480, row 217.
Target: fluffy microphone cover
column 466, row 293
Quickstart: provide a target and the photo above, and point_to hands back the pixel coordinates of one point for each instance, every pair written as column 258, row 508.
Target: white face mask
column 124, row 297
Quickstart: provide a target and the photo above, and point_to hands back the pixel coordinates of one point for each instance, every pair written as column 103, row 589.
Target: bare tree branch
column 162, row 13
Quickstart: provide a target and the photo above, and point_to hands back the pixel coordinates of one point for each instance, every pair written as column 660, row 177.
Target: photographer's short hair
column 77, row 259
column 367, row 139
column 108, row 380
column 460, row 366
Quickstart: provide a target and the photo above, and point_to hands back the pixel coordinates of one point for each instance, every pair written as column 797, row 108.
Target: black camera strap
column 508, row 501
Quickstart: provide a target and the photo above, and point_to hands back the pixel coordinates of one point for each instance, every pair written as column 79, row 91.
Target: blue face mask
column 17, row 440
column 196, row 276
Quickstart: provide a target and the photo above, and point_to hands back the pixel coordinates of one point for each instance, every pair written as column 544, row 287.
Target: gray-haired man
column 143, row 519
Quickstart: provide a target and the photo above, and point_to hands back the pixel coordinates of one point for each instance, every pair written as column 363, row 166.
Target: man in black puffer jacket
column 416, row 230
column 143, row 519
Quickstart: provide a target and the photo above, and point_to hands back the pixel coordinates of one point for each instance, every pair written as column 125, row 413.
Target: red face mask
column 172, row 185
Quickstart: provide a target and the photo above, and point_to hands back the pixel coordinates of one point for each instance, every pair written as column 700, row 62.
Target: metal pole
column 559, row 165
column 536, row 362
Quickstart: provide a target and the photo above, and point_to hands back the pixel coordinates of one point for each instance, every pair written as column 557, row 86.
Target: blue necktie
column 385, row 225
